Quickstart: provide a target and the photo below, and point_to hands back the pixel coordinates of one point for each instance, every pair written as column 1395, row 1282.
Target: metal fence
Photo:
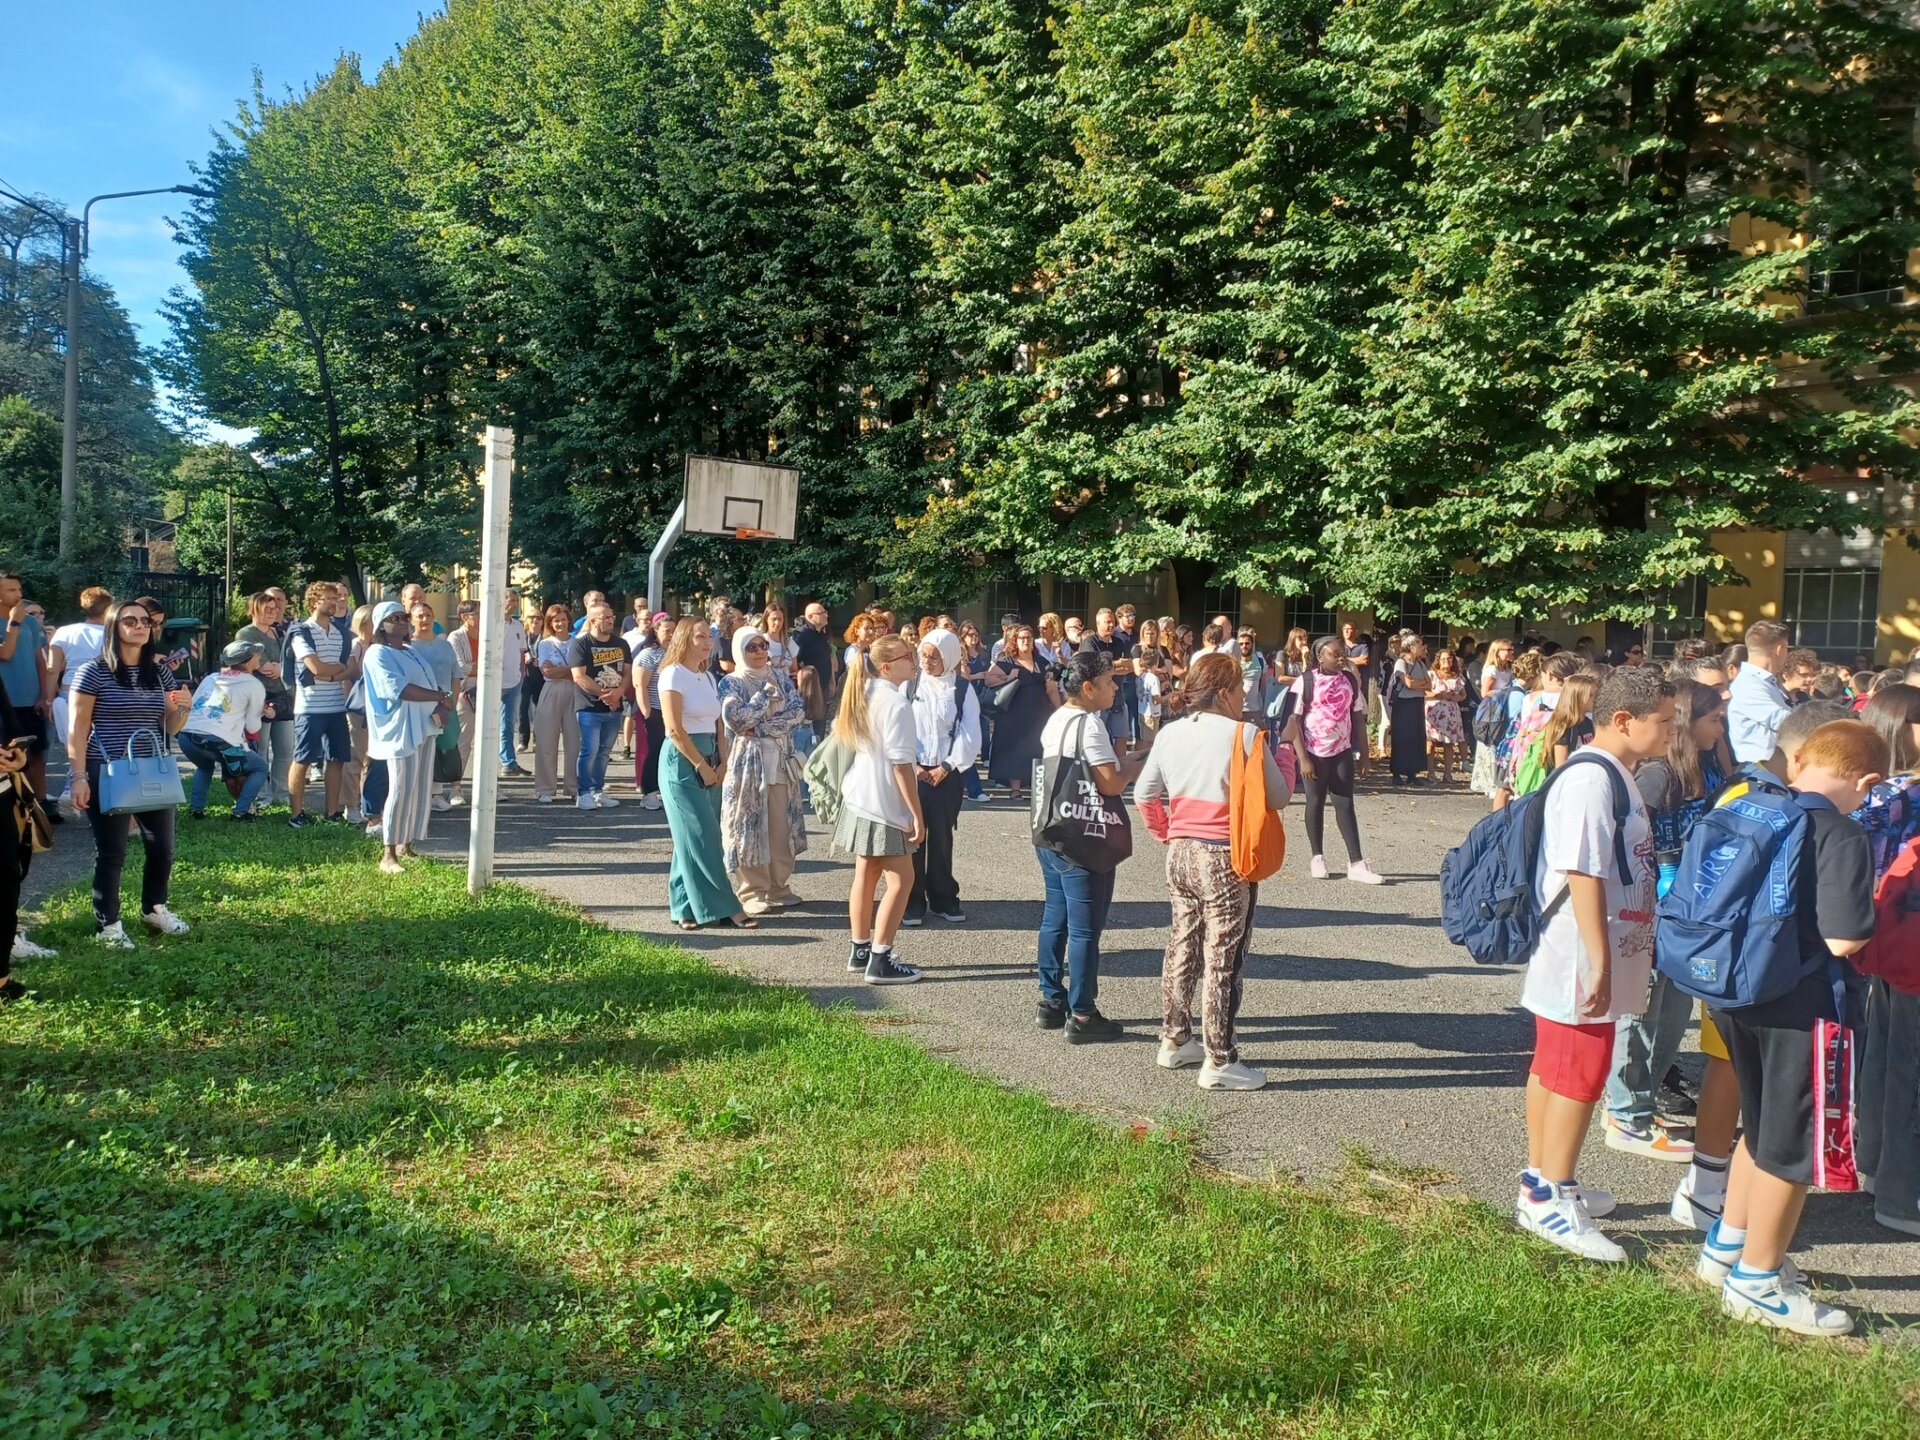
column 196, row 611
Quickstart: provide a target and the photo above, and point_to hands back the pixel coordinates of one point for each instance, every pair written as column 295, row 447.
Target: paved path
column 1376, row 1032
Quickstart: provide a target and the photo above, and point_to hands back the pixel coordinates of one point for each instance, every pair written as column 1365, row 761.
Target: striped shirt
column 327, row 643
column 120, row 711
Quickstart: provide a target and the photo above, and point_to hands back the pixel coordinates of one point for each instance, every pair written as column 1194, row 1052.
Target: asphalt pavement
column 1377, row 1035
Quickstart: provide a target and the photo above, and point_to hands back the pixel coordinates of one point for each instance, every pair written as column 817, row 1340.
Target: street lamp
column 75, row 251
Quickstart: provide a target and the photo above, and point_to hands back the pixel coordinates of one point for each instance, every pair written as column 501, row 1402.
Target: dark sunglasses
column 136, row 620
column 753, row 645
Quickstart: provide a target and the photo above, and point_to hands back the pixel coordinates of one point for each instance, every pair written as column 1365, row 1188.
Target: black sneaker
column 196, row 814
column 516, row 770
column 858, row 954
column 339, row 817
column 883, row 969
column 911, row 922
column 246, row 819
column 11, row 989
column 300, row 821
column 952, row 917
column 1675, row 1102
column 1049, row 1017
column 1094, row 1028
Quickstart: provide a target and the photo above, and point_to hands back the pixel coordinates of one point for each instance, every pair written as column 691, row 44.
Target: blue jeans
column 1070, row 927
column 598, row 729
column 509, row 717
column 373, row 790
column 205, row 752
column 1643, row 1048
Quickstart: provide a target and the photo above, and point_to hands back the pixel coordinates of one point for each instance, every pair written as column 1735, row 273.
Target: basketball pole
column 497, row 484
column 657, row 561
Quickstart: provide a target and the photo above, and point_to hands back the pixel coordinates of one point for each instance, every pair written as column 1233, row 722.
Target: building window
column 1220, row 600
column 1011, row 597
column 1315, row 617
column 1834, row 611
column 1413, row 616
column 1070, row 599
column 1688, row 602
column 1854, row 277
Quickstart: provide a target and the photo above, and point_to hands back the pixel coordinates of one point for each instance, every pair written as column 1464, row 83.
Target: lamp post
column 75, row 251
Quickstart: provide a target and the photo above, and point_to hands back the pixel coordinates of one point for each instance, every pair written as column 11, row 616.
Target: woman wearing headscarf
column 946, row 720
column 403, row 703
column 762, row 824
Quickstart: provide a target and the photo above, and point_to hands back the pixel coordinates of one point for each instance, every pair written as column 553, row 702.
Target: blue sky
column 104, row 95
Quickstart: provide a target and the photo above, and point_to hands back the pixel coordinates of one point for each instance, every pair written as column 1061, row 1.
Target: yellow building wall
column 1267, row 614
column 1757, row 556
column 1899, row 599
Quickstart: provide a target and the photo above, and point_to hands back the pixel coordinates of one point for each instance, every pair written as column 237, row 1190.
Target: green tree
column 313, row 321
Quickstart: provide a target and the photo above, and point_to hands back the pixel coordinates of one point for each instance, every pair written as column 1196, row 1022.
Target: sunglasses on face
column 135, row 620
column 755, row 645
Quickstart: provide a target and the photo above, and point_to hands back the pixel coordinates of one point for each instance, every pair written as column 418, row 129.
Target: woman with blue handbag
column 125, row 704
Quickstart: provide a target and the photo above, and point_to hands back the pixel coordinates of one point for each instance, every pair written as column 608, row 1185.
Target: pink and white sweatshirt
column 1183, row 791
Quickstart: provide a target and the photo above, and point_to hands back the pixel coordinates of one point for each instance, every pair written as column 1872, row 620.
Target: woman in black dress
column 1018, row 720
column 1407, row 687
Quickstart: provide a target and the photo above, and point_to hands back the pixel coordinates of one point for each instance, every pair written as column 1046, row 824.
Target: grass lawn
column 360, row 1157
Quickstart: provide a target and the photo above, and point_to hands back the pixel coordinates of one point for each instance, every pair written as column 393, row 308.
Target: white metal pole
column 657, row 561
column 497, row 482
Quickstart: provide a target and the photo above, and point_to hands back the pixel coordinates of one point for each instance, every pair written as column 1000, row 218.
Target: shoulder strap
column 1622, row 806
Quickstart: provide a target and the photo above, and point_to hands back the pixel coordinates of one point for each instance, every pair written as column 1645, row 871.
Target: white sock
column 1724, row 1237
column 1709, row 1177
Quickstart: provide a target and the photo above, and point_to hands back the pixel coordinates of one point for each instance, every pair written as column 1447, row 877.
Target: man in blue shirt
column 22, row 668
column 1757, row 701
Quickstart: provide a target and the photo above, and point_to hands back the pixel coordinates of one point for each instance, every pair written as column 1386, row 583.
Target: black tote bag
column 1071, row 817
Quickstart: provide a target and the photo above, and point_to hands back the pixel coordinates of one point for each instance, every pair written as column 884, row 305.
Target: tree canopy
column 1509, row 306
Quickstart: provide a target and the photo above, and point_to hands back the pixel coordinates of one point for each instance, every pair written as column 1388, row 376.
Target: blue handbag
column 137, row 783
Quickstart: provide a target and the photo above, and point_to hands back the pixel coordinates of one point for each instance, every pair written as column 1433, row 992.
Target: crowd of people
column 745, row 729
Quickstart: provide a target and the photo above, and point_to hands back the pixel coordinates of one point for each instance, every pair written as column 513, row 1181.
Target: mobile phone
column 25, row 743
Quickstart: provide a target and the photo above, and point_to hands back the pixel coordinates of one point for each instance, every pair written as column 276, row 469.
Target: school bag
column 1487, row 899
column 1728, row 929
column 826, row 775
column 1534, row 767
column 1257, row 841
column 1490, row 719
column 1894, row 953
column 1070, row 816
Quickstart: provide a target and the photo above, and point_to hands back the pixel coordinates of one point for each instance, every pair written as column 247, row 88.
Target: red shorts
column 1572, row 1060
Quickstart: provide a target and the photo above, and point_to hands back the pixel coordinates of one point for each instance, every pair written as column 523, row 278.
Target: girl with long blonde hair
column 880, row 823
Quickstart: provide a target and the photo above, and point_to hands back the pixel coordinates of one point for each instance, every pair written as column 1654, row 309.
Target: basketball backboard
column 741, row 498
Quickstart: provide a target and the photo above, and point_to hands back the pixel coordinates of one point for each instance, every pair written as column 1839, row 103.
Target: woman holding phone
column 125, row 691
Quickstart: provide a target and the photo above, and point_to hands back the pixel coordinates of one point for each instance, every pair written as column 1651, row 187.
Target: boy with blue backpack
column 1774, row 890
column 1593, row 894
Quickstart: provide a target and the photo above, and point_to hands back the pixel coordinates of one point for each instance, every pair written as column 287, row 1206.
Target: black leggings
column 110, row 854
column 1335, row 774
column 655, row 725
column 15, row 856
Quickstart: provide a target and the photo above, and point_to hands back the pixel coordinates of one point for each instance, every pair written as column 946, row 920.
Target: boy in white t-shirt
column 1594, row 885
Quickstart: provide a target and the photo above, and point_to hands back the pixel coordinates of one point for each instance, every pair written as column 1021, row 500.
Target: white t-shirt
column 891, row 740
column 1578, row 835
column 699, row 698
column 513, row 655
column 228, row 705
column 1096, row 748
column 79, row 642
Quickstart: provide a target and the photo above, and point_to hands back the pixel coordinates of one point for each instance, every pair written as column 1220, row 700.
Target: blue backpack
column 1728, row 932
column 1487, row 899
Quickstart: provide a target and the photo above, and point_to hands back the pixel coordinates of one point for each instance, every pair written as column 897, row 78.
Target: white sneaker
column 544, row 798
column 1179, row 1057
column 1716, row 1262
column 25, row 949
column 1317, row 867
column 585, row 802
column 1783, row 1304
column 114, row 937
column 440, row 803
column 164, row 921
column 650, row 802
column 604, row 801
column 1362, row 873
column 373, row 828
column 1562, row 1220
column 1234, row 1075
column 1693, row 1209
column 1655, row 1142
column 1598, row 1203
column 455, row 799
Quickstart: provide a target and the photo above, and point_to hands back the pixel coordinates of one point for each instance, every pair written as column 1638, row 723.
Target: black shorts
column 31, row 726
column 1775, row 1067
column 322, row 735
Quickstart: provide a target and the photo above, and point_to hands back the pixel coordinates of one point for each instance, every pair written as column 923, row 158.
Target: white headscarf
column 741, row 666
column 935, row 697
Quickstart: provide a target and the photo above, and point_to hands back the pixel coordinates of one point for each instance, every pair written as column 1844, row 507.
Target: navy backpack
column 1728, row 928
column 1486, row 881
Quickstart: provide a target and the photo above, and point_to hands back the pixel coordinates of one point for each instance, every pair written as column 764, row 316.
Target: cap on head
column 239, row 652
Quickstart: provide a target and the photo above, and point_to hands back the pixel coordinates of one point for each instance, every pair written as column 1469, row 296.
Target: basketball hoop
column 747, row 532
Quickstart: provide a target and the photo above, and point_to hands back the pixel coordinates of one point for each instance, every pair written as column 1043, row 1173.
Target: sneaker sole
column 1618, row 1141
column 1236, row 1085
column 1526, row 1229
column 1170, row 1062
column 891, row 979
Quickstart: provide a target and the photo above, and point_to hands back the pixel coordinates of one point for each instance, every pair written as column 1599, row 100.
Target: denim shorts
column 322, row 736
